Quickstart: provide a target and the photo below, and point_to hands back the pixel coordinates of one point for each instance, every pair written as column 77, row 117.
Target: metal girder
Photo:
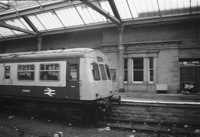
column 30, row 24
column 114, row 9
column 102, row 11
column 5, row 6
column 17, row 28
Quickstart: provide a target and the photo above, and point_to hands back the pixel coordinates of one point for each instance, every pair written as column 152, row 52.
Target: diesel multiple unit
column 77, row 79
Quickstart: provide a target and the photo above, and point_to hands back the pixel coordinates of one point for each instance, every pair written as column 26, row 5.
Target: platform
column 160, row 98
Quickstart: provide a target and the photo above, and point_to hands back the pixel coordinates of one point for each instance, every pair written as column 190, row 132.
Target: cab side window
column 108, row 71
column 95, row 71
column 103, row 72
column 49, row 72
column 26, row 72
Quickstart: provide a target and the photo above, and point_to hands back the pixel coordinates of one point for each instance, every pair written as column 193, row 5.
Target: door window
column 73, row 72
column 7, row 72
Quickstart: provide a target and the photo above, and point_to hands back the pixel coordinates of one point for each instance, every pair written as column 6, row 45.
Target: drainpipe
column 121, row 59
column 39, row 43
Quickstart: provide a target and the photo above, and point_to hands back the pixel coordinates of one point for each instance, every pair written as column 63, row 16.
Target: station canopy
column 30, row 18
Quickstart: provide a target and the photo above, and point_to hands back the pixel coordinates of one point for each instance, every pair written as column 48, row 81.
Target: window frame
column 133, row 70
column 150, row 69
column 93, row 65
column 103, row 72
column 77, row 72
column 50, row 70
column 126, row 70
column 25, row 71
column 108, row 71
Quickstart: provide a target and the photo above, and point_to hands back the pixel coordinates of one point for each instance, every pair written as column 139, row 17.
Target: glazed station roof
column 31, row 18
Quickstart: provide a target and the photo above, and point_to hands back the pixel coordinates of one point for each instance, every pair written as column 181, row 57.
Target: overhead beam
column 114, row 9
column 16, row 28
column 100, row 10
column 30, row 24
column 3, row 5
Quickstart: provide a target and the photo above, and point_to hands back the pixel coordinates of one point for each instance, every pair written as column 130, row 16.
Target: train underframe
column 73, row 111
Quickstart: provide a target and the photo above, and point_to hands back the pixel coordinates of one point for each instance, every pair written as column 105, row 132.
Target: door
column 1, row 74
column 190, row 75
column 74, row 82
column 7, row 75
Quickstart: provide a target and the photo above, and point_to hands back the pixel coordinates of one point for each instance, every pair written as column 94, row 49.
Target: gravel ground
column 23, row 126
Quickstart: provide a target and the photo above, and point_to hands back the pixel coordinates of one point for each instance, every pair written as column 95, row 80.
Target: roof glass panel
column 4, row 32
column 69, row 17
column 19, row 22
column 171, row 7
column 123, row 9
column 143, row 8
column 195, row 4
column 36, row 22
column 49, row 20
column 16, row 23
column 89, row 15
column 106, row 6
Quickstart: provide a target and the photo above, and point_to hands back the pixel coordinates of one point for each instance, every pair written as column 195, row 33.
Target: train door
column 7, row 75
column 73, row 79
column 1, row 74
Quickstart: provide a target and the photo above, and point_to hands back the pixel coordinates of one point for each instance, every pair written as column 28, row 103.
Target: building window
column 103, row 72
column 125, row 70
column 151, row 70
column 113, row 73
column 138, row 70
column 49, row 72
column 25, row 72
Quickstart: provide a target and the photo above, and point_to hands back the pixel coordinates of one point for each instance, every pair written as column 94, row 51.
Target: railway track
column 159, row 128
column 163, row 128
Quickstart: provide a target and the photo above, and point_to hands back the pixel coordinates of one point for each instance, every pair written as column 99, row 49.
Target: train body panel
column 92, row 87
column 72, row 74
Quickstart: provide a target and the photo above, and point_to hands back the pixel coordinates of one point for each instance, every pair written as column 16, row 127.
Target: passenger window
column 73, row 72
column 7, row 72
column 95, row 71
column 49, row 72
column 26, row 72
column 103, row 72
column 108, row 71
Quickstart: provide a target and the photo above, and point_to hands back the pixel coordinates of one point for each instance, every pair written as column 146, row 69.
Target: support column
column 121, row 60
column 155, row 68
column 130, row 71
column 39, row 43
column 146, row 72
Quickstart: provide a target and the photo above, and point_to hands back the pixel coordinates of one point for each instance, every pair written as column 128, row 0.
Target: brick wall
column 168, row 69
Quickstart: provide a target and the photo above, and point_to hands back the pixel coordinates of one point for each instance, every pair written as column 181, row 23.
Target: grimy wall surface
column 165, row 43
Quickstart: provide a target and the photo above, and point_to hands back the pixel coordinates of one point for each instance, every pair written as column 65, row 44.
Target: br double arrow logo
column 49, row 92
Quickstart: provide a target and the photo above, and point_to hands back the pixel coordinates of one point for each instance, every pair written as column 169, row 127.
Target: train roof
column 61, row 53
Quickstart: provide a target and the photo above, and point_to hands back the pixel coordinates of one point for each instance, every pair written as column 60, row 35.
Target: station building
column 153, row 52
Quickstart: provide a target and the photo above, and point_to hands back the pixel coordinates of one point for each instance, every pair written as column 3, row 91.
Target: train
column 76, row 82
